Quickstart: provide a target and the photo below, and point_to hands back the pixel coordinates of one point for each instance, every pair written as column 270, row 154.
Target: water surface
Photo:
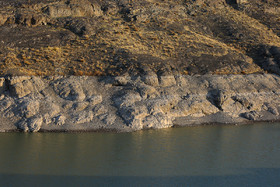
column 196, row 156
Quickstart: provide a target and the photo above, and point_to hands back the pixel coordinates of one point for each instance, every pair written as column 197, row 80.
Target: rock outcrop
column 126, row 103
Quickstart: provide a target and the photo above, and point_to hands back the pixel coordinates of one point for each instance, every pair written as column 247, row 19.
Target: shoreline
column 173, row 127
column 127, row 104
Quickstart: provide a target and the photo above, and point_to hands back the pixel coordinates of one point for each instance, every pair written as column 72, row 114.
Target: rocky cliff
column 126, row 103
column 125, row 65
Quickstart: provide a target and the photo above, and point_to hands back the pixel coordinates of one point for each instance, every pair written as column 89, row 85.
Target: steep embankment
column 148, row 64
column 126, row 103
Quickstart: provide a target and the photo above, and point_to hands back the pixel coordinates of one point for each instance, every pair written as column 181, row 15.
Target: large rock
column 161, row 104
column 79, row 106
column 31, row 125
column 157, row 121
column 95, row 99
column 59, row 120
column 6, row 103
column 83, row 117
column 108, row 119
column 128, row 98
column 218, row 97
column 232, row 107
column 51, row 108
column 197, row 106
column 151, row 79
column 167, row 80
column 99, row 110
column 69, row 89
column 81, row 26
column 29, row 108
column 24, row 85
column 147, row 92
column 133, row 112
column 35, row 124
column 252, row 115
column 73, row 8
column 30, row 19
column 121, row 80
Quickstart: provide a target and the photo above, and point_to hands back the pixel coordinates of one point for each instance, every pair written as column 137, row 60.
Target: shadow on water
column 257, row 177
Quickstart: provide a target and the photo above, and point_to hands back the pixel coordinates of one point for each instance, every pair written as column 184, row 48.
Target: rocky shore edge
column 129, row 103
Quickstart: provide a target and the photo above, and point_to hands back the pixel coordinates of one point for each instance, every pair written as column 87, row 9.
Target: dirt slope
column 113, row 37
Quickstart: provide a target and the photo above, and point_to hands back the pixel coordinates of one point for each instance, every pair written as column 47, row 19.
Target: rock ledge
column 125, row 104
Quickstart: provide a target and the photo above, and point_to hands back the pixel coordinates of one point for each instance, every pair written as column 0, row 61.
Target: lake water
column 194, row 156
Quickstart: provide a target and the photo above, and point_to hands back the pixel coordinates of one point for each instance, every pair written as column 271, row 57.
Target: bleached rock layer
column 127, row 103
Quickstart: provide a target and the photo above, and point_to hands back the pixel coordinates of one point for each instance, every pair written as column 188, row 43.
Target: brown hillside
column 113, row 37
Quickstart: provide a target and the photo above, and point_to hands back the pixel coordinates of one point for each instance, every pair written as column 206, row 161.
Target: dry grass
column 168, row 35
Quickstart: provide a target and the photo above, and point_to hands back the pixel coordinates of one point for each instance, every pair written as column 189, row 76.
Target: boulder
column 108, row 119
column 99, row 110
column 270, row 108
column 73, row 8
column 121, row 80
column 232, row 108
column 30, row 19
column 35, row 123
column 23, row 125
column 29, row 108
column 217, row 97
column 80, row 26
column 243, row 101
column 6, row 103
column 252, row 115
column 69, row 89
column 59, row 120
column 157, row 121
column 273, row 110
column 167, row 80
column 135, row 124
column 79, row 106
column 32, row 124
column 133, row 112
column 151, row 79
column 95, row 99
column 196, row 106
column 128, row 98
column 83, row 117
column 147, row 92
column 160, row 105
column 23, row 85
column 52, row 108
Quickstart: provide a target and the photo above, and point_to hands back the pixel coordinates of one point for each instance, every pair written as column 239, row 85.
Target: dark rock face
column 94, row 37
column 270, row 56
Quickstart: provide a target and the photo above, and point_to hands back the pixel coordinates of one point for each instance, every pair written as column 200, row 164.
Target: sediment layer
column 126, row 103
